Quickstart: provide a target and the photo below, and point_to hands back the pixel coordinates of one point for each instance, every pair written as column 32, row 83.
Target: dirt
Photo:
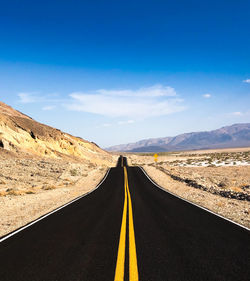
column 223, row 189
column 30, row 188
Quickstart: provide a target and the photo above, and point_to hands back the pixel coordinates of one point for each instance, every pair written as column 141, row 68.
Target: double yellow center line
column 120, row 263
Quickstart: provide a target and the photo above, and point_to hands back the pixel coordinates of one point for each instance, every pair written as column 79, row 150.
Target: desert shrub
column 220, row 204
column 73, row 172
column 30, row 192
column 222, row 185
column 13, row 191
column 236, row 189
column 49, row 187
column 3, row 193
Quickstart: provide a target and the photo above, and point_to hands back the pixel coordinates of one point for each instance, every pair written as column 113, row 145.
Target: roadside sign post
column 156, row 158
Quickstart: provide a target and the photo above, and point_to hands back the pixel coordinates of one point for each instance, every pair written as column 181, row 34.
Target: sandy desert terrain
column 30, row 188
column 218, row 180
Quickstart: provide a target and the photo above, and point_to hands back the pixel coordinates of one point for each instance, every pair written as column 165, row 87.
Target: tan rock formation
column 22, row 135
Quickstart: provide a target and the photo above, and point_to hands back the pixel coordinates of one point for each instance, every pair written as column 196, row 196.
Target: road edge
column 199, row 206
column 3, row 238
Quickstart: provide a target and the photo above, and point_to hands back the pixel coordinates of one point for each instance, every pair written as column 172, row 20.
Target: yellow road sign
column 156, row 157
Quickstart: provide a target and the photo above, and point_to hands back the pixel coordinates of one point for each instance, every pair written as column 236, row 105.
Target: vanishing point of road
column 127, row 229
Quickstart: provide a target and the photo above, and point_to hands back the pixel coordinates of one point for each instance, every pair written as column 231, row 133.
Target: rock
column 5, row 144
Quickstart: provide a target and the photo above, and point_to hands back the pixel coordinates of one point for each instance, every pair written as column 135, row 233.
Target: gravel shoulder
column 236, row 210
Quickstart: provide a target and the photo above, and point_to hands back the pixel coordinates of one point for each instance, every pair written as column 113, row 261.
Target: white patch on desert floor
column 235, row 210
column 216, row 163
column 218, row 171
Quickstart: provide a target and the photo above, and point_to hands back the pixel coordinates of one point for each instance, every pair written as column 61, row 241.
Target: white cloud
column 246, row 81
column 207, row 96
column 144, row 102
column 153, row 91
column 34, row 97
column 28, row 98
column 237, row 113
column 240, row 113
column 49, row 107
column 126, row 122
column 107, row 125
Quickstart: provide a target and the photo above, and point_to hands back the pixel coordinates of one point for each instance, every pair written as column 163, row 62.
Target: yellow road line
column 119, row 271
column 133, row 268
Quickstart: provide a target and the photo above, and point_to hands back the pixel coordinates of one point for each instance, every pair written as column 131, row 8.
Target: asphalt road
column 127, row 229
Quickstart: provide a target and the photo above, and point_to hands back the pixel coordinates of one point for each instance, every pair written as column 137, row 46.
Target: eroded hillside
column 42, row 168
column 21, row 134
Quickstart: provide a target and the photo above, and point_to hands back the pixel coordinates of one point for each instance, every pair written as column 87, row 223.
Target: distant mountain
column 20, row 135
column 236, row 135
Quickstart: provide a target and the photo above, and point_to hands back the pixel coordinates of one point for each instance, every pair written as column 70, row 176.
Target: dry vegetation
column 29, row 176
column 30, row 188
column 218, row 179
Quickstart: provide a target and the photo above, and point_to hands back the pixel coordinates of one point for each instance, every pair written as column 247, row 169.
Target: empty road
column 127, row 229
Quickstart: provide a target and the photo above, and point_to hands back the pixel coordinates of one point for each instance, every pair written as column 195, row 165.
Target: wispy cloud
column 144, row 102
column 246, row 81
column 237, row 113
column 126, row 122
column 157, row 90
column 106, row 125
column 48, row 107
column 33, row 97
column 207, row 96
column 29, row 98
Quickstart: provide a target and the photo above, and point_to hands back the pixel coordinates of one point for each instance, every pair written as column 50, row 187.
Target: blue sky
column 119, row 71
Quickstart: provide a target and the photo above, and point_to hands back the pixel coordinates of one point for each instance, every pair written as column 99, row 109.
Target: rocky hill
column 236, row 135
column 20, row 135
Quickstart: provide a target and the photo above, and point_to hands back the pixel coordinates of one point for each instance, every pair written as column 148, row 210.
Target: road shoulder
column 233, row 209
column 17, row 211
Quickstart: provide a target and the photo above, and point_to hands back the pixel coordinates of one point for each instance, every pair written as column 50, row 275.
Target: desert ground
column 30, row 188
column 218, row 180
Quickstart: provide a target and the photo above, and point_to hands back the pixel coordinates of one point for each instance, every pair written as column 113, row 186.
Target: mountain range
column 237, row 135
